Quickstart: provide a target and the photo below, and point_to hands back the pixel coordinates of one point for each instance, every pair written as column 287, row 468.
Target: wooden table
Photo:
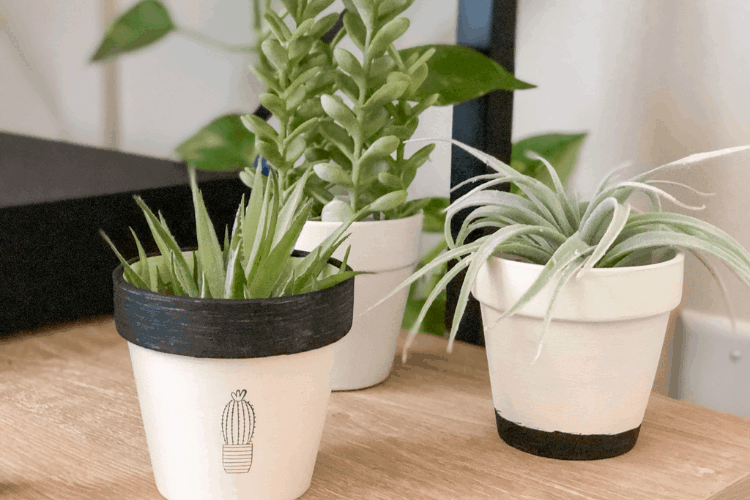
column 70, row 428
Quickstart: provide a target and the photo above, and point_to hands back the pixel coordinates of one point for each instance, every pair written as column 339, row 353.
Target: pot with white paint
column 389, row 250
column 233, row 393
column 585, row 396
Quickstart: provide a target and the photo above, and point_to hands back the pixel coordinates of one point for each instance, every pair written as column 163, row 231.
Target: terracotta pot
column 390, row 250
column 585, row 396
column 233, row 393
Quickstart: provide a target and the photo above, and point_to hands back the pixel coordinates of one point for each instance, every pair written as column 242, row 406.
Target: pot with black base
column 584, row 397
column 575, row 300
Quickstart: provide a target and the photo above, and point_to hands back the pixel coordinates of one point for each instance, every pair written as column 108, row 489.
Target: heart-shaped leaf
column 459, row 74
column 142, row 25
column 222, row 145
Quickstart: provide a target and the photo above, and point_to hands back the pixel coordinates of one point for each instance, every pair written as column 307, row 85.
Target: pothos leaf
column 145, row 23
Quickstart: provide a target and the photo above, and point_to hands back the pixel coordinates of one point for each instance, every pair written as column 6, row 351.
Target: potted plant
column 232, row 347
column 345, row 114
column 575, row 300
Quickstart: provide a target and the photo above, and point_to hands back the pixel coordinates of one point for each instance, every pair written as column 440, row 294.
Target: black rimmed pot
column 233, row 393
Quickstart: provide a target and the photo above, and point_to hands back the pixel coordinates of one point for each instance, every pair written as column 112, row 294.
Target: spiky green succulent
column 550, row 227
column 256, row 259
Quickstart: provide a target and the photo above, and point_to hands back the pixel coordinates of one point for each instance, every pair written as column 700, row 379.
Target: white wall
column 167, row 91
column 651, row 82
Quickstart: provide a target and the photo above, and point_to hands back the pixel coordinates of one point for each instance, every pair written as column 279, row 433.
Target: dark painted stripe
column 565, row 446
column 221, row 328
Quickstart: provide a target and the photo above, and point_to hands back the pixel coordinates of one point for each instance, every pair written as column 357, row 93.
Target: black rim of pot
column 233, row 328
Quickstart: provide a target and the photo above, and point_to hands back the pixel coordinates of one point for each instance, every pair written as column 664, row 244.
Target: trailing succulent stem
column 373, row 111
column 256, row 259
column 341, row 114
column 295, row 67
column 544, row 225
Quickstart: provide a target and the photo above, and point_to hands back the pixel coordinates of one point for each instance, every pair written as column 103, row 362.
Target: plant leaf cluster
column 295, row 67
column 359, row 107
column 562, row 152
column 547, row 226
column 255, row 260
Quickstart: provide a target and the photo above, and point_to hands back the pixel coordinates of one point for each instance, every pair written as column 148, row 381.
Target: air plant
column 256, row 260
column 549, row 227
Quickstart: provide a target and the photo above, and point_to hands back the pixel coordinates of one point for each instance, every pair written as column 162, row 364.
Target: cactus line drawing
column 237, row 428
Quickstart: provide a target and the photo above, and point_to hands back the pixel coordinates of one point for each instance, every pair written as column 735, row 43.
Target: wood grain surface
column 70, row 428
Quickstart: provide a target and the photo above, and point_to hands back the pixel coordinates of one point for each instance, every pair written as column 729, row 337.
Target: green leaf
column 333, row 173
column 275, row 53
column 388, row 201
column 561, row 150
column 277, row 25
column 129, row 273
column 259, row 127
column 267, row 275
column 336, row 109
column 349, row 63
column 223, row 145
column 209, row 250
column 323, row 24
column 274, row 104
column 336, row 211
column 355, row 28
column 389, row 92
column 143, row 267
column 338, row 136
column 434, row 215
column 388, row 34
column 142, row 25
column 389, row 180
column 379, row 149
column 459, row 74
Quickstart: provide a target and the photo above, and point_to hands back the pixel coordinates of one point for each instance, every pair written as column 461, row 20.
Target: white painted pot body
column 390, row 250
column 183, row 401
column 599, row 358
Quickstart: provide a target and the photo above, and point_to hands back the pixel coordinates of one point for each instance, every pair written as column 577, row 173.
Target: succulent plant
column 256, row 260
column 550, row 227
column 347, row 114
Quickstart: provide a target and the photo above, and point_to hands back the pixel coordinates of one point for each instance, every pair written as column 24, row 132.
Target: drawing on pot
column 237, row 428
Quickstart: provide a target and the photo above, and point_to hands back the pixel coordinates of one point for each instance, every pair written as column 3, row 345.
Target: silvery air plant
column 549, row 227
column 256, row 260
column 575, row 300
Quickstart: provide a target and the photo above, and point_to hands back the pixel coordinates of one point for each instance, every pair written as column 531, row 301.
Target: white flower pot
column 233, row 393
column 389, row 249
column 585, row 396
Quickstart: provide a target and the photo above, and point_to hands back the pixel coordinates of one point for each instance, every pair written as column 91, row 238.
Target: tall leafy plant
column 360, row 107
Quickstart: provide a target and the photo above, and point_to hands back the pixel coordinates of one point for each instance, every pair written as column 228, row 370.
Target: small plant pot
column 233, row 393
column 585, row 396
column 390, row 250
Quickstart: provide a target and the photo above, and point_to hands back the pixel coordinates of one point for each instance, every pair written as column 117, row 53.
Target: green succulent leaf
column 145, row 23
column 355, row 28
column 336, row 109
column 388, row 34
column 333, row 173
column 458, row 74
column 388, row 201
column 223, row 145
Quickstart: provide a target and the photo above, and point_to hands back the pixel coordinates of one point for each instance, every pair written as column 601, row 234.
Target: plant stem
column 360, row 114
column 213, row 42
